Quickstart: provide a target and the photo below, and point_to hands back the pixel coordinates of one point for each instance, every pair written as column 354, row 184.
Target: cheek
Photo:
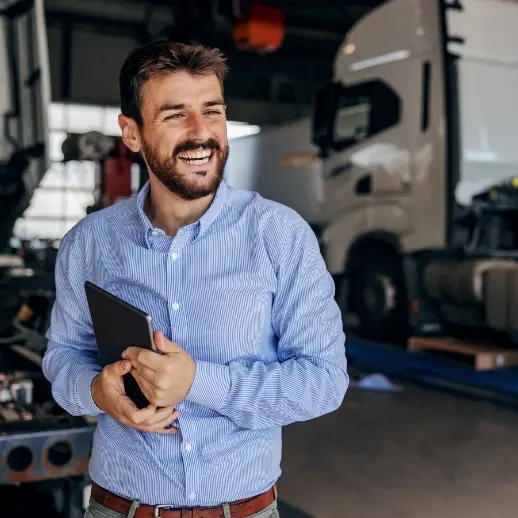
column 218, row 127
column 221, row 135
column 167, row 142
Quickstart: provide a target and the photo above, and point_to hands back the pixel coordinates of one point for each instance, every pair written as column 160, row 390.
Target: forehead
column 179, row 88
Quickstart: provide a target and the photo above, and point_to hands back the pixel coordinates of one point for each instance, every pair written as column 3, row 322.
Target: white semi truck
column 421, row 117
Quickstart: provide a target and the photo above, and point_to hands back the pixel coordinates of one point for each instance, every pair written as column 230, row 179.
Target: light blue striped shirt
column 246, row 292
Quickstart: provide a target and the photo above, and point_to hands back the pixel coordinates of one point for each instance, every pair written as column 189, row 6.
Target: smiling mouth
column 196, row 157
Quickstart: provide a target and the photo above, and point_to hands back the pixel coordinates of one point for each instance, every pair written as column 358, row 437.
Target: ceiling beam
column 264, row 113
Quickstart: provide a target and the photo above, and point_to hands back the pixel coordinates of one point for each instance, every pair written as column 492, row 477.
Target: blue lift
column 499, row 385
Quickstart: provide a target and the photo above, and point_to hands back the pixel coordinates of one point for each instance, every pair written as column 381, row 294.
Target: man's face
column 184, row 133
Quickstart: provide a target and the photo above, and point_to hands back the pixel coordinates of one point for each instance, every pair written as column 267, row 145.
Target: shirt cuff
column 211, row 385
column 84, row 388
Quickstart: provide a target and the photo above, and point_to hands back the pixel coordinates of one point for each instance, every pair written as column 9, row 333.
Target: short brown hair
column 164, row 57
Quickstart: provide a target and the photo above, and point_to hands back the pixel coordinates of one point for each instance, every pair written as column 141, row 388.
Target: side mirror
column 324, row 113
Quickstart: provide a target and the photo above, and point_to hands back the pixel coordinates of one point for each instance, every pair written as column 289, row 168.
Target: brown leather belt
column 239, row 509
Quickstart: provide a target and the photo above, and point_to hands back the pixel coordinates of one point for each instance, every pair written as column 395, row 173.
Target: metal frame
column 35, row 456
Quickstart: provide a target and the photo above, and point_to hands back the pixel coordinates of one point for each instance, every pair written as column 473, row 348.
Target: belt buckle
column 156, row 510
column 184, row 513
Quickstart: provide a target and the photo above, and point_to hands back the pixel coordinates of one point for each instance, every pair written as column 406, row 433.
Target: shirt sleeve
column 70, row 361
column 310, row 379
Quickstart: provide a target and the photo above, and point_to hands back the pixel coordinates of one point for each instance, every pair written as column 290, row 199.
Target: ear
column 130, row 133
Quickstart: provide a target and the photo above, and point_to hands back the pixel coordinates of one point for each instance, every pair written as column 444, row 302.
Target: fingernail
column 124, row 354
column 125, row 364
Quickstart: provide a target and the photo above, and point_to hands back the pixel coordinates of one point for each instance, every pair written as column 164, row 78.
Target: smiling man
column 249, row 335
column 178, row 122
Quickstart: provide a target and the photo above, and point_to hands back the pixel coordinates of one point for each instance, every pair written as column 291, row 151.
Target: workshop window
column 67, row 189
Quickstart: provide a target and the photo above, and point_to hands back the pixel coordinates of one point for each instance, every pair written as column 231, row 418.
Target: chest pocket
column 233, row 324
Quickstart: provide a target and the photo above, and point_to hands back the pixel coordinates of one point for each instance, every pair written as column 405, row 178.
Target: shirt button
column 174, row 256
column 176, row 305
column 181, row 406
column 188, row 446
column 192, row 496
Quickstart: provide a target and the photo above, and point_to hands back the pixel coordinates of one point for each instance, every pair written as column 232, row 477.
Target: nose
column 198, row 128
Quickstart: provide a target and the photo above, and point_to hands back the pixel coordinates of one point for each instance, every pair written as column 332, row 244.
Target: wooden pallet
column 482, row 356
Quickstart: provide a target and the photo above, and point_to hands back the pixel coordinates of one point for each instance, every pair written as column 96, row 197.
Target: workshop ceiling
column 280, row 83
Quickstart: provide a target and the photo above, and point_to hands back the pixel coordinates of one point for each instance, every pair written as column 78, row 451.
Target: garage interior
column 421, row 438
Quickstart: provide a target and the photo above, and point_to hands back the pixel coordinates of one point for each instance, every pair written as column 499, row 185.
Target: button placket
column 175, row 273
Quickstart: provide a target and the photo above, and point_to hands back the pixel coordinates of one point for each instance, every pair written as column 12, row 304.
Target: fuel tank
column 474, row 292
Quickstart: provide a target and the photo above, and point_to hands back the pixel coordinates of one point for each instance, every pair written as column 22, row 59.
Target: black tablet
column 117, row 326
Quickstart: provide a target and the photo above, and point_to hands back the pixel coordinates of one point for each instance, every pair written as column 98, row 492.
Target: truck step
column 481, row 356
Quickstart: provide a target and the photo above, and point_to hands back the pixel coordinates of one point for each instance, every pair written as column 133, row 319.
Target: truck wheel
column 377, row 294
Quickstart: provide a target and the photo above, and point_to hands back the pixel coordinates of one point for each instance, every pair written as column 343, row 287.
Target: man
column 241, row 301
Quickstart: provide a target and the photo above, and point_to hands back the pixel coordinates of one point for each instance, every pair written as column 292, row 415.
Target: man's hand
column 109, row 395
column 165, row 379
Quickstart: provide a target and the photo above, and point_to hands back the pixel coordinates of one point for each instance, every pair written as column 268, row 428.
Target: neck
column 169, row 212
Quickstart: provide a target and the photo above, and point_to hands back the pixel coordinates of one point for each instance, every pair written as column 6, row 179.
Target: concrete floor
column 418, row 453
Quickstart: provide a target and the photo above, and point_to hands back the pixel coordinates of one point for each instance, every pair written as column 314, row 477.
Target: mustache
column 192, row 145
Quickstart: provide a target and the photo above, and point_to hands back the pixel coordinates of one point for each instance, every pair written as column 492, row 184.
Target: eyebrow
column 181, row 106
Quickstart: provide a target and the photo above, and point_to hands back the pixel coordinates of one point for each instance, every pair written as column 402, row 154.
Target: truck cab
column 381, row 127
column 409, row 130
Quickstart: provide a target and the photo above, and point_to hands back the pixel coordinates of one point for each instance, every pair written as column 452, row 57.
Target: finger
column 151, row 391
column 161, row 415
column 159, row 339
column 164, row 426
column 144, row 356
column 129, row 410
column 125, row 407
column 167, row 430
column 163, row 344
column 118, row 368
column 143, row 371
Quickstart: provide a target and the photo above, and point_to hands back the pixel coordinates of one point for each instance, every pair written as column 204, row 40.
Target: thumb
column 120, row 368
column 163, row 344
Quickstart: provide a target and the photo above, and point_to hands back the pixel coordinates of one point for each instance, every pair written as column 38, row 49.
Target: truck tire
column 377, row 295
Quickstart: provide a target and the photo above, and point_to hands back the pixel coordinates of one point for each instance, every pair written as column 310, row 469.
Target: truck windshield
column 345, row 116
column 352, row 119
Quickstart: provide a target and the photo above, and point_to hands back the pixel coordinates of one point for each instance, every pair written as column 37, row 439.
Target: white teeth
column 195, row 155
column 196, row 161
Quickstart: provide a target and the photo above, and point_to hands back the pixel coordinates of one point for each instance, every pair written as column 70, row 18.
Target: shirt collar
column 199, row 227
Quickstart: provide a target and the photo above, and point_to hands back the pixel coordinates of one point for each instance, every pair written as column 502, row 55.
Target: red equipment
column 262, row 30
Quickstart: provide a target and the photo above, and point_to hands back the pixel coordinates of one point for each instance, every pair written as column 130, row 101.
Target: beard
column 183, row 185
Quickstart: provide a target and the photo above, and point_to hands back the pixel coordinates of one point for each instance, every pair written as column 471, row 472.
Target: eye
column 213, row 112
column 173, row 116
